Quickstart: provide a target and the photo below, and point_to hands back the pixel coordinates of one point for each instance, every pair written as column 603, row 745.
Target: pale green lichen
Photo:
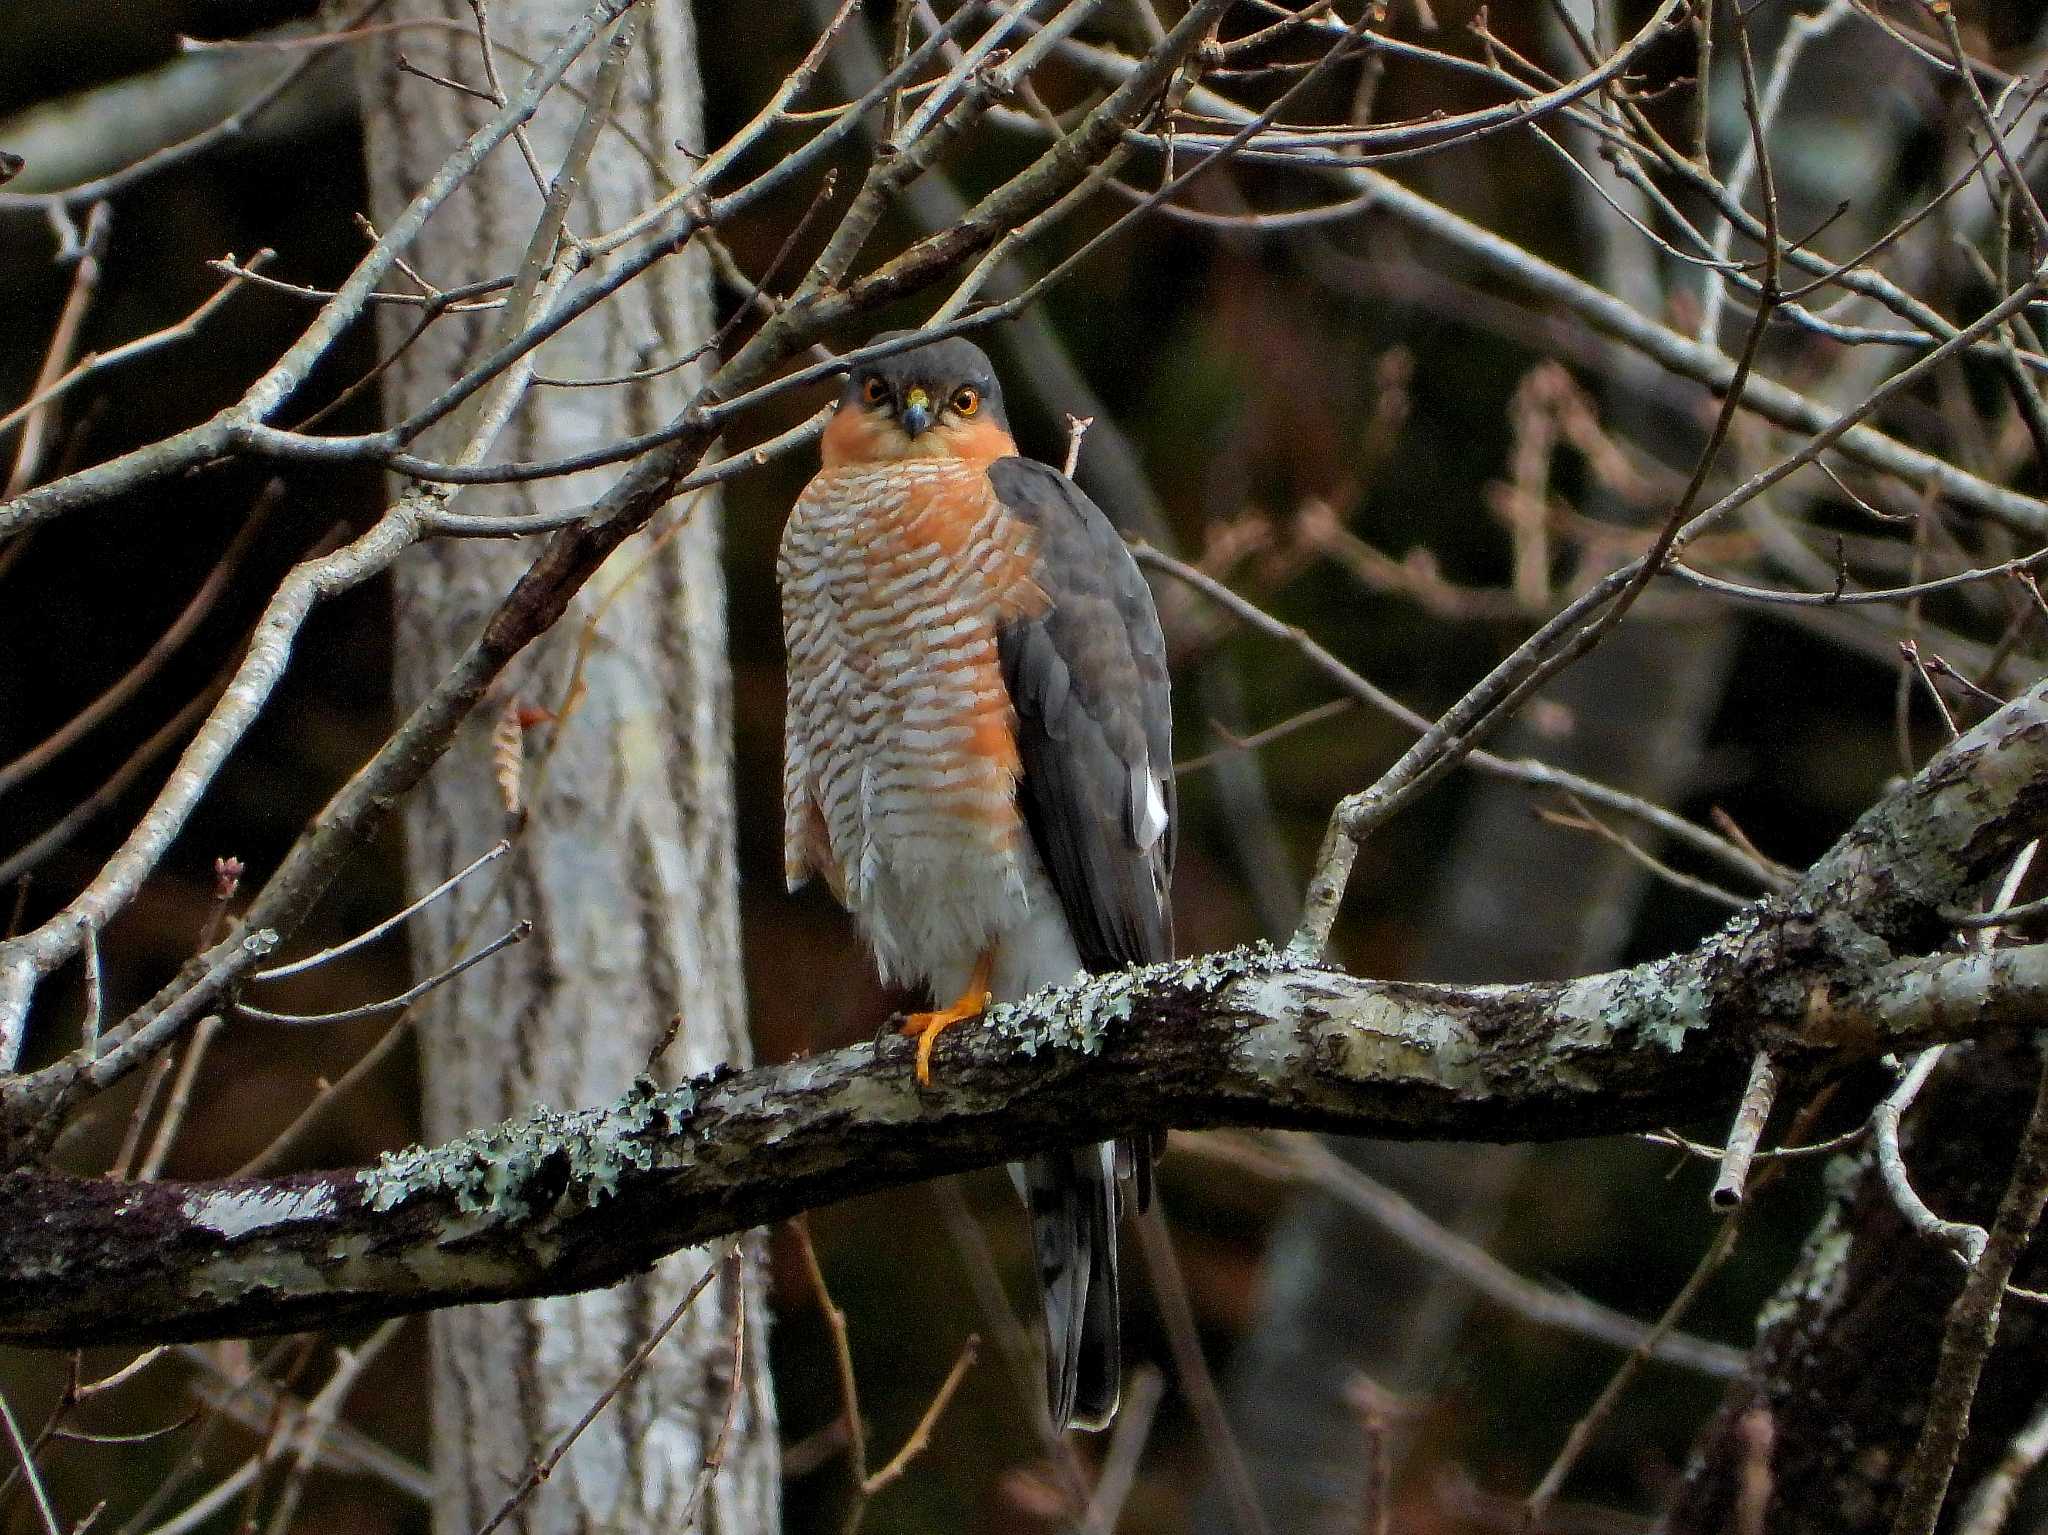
column 1658, row 1005
column 1080, row 1014
column 1820, row 1265
column 1672, row 1007
column 511, row 1171
column 497, row 1170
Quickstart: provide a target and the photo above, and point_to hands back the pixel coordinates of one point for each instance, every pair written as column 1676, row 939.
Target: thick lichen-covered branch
column 1846, row 965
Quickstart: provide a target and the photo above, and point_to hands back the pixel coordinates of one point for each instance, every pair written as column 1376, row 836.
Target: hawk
column 978, row 758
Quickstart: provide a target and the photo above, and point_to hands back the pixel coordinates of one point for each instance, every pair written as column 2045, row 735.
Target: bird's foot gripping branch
column 1853, row 961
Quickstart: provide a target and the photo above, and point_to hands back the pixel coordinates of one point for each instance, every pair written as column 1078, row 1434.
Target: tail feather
column 1137, row 1158
column 1073, row 1199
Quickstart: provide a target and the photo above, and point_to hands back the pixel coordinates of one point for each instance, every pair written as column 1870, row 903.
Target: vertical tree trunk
column 1846, row 1354
column 625, row 865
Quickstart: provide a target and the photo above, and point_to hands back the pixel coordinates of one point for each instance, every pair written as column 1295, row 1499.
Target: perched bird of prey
column 978, row 757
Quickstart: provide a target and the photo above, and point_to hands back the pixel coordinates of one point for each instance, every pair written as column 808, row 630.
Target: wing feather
column 1086, row 674
column 1087, row 677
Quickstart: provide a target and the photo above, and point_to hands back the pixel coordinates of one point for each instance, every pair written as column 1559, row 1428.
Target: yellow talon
column 925, row 1028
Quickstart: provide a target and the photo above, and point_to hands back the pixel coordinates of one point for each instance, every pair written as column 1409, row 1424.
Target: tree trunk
column 1846, row 1354
column 625, row 864
column 1847, row 1351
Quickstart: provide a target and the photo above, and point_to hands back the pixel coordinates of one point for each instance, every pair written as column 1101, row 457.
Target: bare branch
column 518, row 933
column 1992, row 1502
column 1303, row 1159
column 1746, row 1133
column 561, row 1201
column 1972, row 1328
column 28, row 1468
column 543, row 1466
column 396, row 919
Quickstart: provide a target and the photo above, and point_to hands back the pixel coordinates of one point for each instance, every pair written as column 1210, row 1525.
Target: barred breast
column 900, row 763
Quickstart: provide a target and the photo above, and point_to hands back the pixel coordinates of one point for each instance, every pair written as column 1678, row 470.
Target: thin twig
column 1910, row 650
column 1297, row 1159
column 137, row 676
column 181, row 1097
column 319, row 1417
column 1746, row 1133
column 1583, row 819
column 93, row 364
column 1012, row 1342
column 1582, row 1432
column 1991, row 1504
column 253, row 1401
column 1375, row 1409
column 714, row 1458
column 228, row 128
column 1756, row 1433
column 1196, row 1383
column 842, row 1356
column 1524, row 770
column 396, row 919
column 519, row 932
column 39, row 849
column 920, row 1436
column 543, row 1466
column 1077, row 428
column 85, row 281
column 2016, row 181
column 40, row 1493
column 138, row 1119
column 89, row 1030
column 1233, row 743
column 1997, row 916
column 122, row 1376
column 1971, row 1329
column 1717, row 1154
column 1965, row 1239
column 1143, row 1391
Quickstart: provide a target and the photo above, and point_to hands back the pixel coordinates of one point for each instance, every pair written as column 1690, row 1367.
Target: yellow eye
column 874, row 391
column 967, row 401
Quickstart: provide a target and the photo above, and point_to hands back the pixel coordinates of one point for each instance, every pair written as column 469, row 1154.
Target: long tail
column 1073, row 1199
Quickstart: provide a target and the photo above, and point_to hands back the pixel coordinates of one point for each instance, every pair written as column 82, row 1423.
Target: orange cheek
column 853, row 436
column 979, row 442
column 857, row 436
column 845, row 439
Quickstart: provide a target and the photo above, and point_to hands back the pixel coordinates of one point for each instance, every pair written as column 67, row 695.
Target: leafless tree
column 561, row 405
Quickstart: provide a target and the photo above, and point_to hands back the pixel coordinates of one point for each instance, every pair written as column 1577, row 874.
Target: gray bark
column 552, row 1202
column 1517, row 900
column 1845, row 966
column 626, row 864
column 1846, row 1352
column 1514, row 900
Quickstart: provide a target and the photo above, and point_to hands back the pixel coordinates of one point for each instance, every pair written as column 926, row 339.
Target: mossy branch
column 1846, row 965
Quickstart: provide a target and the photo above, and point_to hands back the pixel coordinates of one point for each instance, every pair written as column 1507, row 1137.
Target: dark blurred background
column 1353, row 369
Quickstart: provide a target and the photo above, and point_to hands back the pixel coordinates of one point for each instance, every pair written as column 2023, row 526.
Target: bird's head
column 935, row 401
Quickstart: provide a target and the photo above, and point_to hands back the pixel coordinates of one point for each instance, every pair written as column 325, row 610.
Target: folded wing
column 1087, row 677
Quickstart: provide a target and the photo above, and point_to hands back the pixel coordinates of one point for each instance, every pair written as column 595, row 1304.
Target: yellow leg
column 925, row 1028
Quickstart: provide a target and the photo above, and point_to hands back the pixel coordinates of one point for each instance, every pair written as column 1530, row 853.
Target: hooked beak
column 916, row 414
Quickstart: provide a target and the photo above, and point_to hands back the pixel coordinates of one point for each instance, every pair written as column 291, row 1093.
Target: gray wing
column 1088, row 680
